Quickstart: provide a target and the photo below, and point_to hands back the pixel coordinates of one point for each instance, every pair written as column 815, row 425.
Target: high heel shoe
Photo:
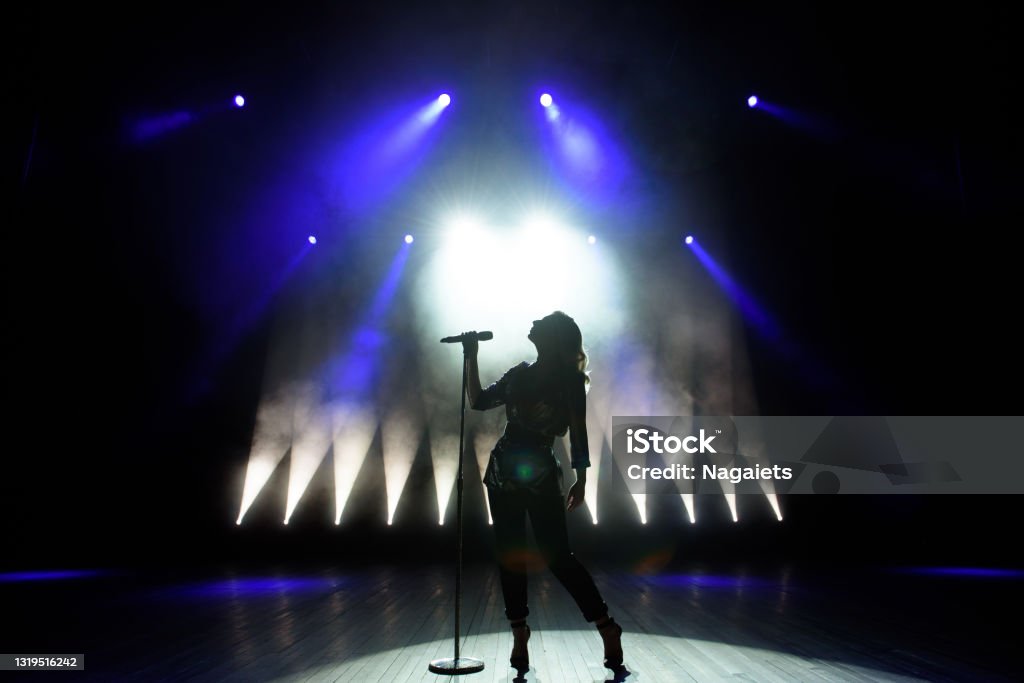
column 611, row 634
column 520, row 658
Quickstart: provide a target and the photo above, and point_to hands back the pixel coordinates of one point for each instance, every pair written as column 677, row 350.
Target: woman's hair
column 568, row 344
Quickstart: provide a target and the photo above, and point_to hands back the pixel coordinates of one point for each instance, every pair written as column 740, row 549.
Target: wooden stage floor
column 385, row 623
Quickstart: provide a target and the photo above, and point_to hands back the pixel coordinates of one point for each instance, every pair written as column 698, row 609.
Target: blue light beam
column 814, row 371
column 587, row 155
column 750, row 309
column 387, row 149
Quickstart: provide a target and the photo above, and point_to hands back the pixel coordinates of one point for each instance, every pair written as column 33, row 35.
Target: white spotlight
column 354, row 427
column 484, row 440
column 688, row 503
column 445, row 469
column 400, row 438
column 272, row 439
column 640, row 500
column 730, row 499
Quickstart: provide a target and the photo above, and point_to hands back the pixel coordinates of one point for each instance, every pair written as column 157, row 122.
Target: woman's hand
column 470, row 344
column 576, row 495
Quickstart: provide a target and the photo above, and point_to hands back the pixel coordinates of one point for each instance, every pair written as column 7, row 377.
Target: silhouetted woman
column 542, row 400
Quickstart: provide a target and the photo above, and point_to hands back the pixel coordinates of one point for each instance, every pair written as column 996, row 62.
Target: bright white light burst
column 501, row 278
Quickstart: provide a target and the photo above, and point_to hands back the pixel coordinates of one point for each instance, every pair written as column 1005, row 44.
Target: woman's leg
column 508, row 511
column 547, row 515
column 548, row 518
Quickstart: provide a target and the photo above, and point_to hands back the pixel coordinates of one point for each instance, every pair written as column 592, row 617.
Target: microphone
column 468, row 336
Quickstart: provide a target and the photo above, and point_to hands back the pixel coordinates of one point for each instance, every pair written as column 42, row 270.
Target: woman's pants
column 547, row 515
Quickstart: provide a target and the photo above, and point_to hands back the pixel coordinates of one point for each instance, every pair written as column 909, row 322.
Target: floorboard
column 386, row 623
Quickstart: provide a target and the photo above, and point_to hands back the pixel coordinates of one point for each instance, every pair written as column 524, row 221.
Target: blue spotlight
column 312, row 239
column 445, row 99
column 752, row 101
column 591, row 240
column 409, row 239
column 239, row 101
column 689, row 239
column 545, row 100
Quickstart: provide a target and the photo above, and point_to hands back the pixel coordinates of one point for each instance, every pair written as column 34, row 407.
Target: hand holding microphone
column 469, row 340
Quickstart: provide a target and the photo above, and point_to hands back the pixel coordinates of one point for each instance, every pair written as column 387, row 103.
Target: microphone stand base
column 454, row 667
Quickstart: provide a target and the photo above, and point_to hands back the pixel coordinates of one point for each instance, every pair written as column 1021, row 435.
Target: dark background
column 883, row 237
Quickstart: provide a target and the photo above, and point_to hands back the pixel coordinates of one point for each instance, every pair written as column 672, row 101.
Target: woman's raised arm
column 473, row 388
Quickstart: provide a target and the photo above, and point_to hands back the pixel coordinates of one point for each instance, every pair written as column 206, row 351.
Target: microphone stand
column 458, row 665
